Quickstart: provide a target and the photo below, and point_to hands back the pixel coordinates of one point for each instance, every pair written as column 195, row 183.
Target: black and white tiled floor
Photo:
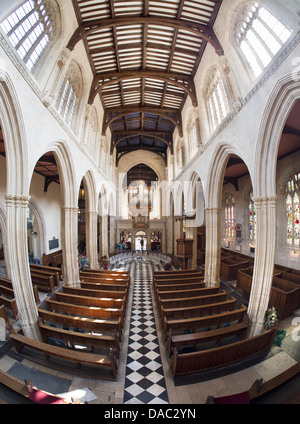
column 144, row 380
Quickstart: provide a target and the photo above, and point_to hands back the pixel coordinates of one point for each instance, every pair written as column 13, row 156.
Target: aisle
column 144, row 381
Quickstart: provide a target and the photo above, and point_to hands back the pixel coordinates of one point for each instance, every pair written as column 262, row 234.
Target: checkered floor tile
column 144, row 382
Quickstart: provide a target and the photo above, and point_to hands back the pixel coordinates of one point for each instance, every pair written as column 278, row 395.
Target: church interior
column 150, row 202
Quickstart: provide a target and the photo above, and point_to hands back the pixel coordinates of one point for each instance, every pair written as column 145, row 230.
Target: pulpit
column 184, row 251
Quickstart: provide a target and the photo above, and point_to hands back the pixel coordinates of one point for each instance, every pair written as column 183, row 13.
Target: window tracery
column 260, row 35
column 30, row 29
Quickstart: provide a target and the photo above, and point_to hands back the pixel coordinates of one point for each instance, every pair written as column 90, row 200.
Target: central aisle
column 144, row 381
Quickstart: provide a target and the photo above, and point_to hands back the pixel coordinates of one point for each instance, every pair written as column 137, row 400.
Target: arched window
column 30, row 29
column 193, row 140
column 230, row 216
column 292, row 211
column 259, row 35
column 69, row 94
column 252, row 219
column 216, row 100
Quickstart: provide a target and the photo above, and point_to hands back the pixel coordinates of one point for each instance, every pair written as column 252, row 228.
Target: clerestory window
column 30, row 29
column 216, row 100
column 259, row 35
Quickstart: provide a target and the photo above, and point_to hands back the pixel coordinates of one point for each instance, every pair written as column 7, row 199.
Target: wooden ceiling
column 144, row 55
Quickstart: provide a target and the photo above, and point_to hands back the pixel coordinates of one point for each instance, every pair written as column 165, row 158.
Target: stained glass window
column 29, row 29
column 292, row 202
column 230, row 218
column 259, row 35
column 252, row 219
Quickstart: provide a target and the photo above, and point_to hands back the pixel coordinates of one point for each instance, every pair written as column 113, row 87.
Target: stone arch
column 41, row 224
column 281, row 101
column 14, row 138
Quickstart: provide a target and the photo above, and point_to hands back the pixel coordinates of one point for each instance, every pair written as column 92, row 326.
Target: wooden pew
column 284, row 296
column 197, row 323
column 175, row 275
column 54, row 259
column 199, row 311
column 85, row 311
column 173, row 294
column 291, row 276
column 44, row 282
column 80, row 358
column 89, row 301
column 193, row 339
column 110, row 281
column 83, row 339
column 115, row 294
column 99, row 325
column 7, row 299
column 46, row 271
column 3, row 314
column 49, row 268
column 193, row 301
column 103, row 286
column 230, row 266
column 196, row 362
column 103, row 273
column 178, row 286
column 7, row 283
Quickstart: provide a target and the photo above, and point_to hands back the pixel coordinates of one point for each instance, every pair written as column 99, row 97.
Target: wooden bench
column 44, row 282
column 49, row 268
column 291, row 276
column 178, row 286
column 83, row 339
column 193, row 339
column 199, row 311
column 99, row 325
column 196, row 362
column 173, row 294
column 104, row 274
column 230, row 266
column 284, row 296
column 89, row 301
column 103, row 286
column 191, row 301
column 174, row 275
column 85, row 311
column 197, row 323
column 7, row 299
column 3, row 314
column 54, row 259
column 7, row 283
column 115, row 294
column 80, row 358
column 245, row 276
column 46, row 271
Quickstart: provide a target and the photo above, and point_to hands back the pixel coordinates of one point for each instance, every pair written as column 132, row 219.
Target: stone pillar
column 264, row 262
column 69, row 245
column 105, row 235
column 91, row 239
column 213, row 247
column 18, row 264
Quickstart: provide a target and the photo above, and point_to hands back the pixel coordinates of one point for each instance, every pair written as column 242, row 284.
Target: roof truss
column 144, row 55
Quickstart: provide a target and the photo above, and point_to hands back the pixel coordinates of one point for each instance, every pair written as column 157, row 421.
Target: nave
column 144, row 375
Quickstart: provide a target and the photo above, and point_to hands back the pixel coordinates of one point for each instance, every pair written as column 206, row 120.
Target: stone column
column 69, row 245
column 213, row 247
column 264, row 262
column 105, row 235
column 91, row 239
column 18, row 264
